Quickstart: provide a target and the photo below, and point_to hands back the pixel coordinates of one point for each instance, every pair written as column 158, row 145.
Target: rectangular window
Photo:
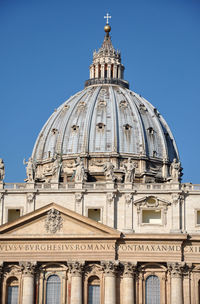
column 151, row 217
column 94, row 214
column 12, row 295
column 198, row 217
column 13, row 214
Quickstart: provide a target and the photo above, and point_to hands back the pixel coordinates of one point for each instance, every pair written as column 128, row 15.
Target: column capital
column 176, row 269
column 28, row 268
column 109, row 267
column 128, row 269
column 76, row 268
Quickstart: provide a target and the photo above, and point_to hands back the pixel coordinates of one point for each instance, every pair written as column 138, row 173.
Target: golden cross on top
column 107, row 17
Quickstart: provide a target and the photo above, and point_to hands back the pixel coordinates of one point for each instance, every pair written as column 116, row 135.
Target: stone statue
column 175, row 170
column 109, row 170
column 2, row 170
column 30, row 169
column 129, row 171
column 56, row 168
column 80, row 174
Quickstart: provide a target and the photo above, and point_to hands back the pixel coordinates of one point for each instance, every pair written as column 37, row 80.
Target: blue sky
column 46, row 49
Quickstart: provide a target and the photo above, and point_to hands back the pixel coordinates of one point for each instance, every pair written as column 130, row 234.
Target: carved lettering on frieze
column 53, row 221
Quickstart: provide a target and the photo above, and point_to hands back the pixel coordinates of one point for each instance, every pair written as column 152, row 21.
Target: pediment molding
column 41, row 223
column 151, row 201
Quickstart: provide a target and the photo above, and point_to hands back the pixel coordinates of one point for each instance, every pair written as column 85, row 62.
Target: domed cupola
column 106, row 126
column 106, row 66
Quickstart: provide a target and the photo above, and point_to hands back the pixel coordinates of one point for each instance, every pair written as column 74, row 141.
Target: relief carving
column 53, row 221
column 75, row 268
column 109, row 268
column 176, row 269
column 30, row 197
column 110, row 198
column 128, row 198
column 128, row 269
column 78, row 197
column 28, row 268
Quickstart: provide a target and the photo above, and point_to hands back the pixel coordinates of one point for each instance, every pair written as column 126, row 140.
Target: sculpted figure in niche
column 80, row 174
column 109, row 170
column 129, row 171
column 30, row 169
column 175, row 170
column 2, row 169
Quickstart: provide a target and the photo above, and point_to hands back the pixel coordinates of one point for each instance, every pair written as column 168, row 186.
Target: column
column 76, row 282
column 115, row 71
column 187, row 283
column 110, row 282
column 96, row 71
column 128, row 283
column 28, row 283
column 109, row 71
column 176, row 283
column 119, row 71
column 102, row 71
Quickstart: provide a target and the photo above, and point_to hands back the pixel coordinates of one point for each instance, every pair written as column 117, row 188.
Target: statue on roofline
column 2, row 170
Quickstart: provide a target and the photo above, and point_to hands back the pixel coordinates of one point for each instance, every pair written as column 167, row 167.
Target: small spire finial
column 107, row 27
column 107, row 17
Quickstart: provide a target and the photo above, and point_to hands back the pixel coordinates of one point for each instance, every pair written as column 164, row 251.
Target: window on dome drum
column 198, row 217
column 94, row 290
column 127, row 127
column 13, row 214
column 152, row 290
column 12, row 291
column 53, row 290
column 151, row 216
column 95, row 214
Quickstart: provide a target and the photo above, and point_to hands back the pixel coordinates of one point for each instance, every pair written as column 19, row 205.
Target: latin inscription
column 56, row 247
column 84, row 247
column 150, row 248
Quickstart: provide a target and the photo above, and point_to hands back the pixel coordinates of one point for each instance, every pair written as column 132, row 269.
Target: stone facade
column 102, row 217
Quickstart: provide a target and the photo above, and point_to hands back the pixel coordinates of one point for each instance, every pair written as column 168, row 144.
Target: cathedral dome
column 107, row 121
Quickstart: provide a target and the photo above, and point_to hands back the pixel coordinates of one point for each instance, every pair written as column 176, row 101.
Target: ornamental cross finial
column 107, row 17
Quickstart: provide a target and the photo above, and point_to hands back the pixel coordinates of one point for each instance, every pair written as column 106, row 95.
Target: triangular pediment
column 151, row 201
column 55, row 221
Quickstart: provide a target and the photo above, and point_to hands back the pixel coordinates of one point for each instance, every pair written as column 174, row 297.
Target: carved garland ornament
column 53, row 221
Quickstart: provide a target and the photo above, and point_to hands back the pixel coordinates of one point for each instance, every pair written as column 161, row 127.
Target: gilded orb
column 107, row 28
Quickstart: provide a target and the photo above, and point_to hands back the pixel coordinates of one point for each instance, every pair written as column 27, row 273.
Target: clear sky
column 46, row 48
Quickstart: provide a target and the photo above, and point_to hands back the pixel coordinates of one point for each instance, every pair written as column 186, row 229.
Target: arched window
column 53, row 290
column 93, row 290
column 12, row 290
column 152, row 290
